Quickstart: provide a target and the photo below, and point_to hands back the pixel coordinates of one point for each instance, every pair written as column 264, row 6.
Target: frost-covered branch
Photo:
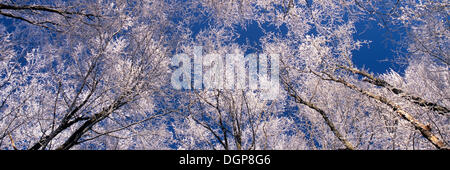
column 424, row 129
column 402, row 93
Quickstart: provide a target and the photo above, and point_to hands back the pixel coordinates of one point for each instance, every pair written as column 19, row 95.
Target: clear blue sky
column 379, row 54
column 376, row 57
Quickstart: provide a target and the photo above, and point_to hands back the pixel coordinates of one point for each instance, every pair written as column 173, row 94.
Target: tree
column 72, row 95
column 97, row 75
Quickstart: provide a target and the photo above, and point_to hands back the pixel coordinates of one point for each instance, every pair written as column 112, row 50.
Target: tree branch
column 424, row 129
column 293, row 93
column 414, row 99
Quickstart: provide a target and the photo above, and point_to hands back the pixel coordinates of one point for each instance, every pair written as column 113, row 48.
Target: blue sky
column 378, row 55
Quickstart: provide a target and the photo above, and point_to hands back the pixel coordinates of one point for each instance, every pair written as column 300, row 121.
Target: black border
column 169, row 159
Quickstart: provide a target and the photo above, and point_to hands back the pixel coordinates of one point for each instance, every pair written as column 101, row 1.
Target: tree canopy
column 99, row 74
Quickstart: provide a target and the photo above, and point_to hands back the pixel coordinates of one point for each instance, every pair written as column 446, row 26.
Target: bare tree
column 97, row 75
